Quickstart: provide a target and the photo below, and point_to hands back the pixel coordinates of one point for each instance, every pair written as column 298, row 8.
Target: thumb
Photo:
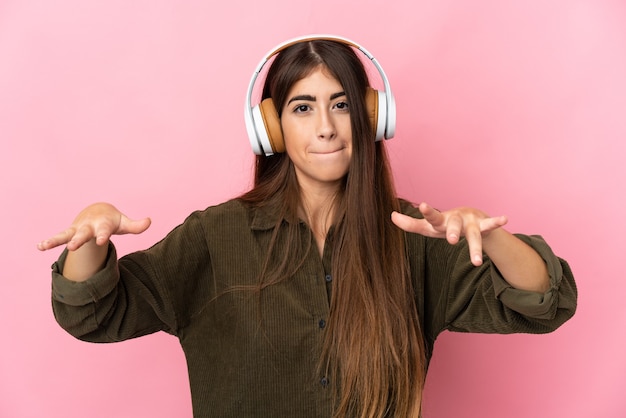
column 131, row 226
column 410, row 224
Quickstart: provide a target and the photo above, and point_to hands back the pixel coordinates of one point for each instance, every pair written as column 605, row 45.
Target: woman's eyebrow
column 304, row 97
column 309, row 98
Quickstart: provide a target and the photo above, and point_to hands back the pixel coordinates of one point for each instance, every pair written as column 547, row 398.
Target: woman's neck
column 318, row 210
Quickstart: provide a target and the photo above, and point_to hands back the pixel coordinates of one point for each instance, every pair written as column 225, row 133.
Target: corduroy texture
column 250, row 360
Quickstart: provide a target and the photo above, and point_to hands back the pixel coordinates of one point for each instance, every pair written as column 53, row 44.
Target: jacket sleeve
column 455, row 295
column 135, row 295
column 478, row 299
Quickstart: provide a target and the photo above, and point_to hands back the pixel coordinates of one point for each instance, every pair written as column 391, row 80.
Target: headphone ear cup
column 271, row 121
column 376, row 106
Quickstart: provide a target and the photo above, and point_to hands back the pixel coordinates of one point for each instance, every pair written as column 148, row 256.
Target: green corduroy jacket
column 240, row 366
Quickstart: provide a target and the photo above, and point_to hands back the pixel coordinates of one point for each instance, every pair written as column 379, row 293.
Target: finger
column 475, row 243
column 404, row 222
column 489, row 224
column 58, row 239
column 83, row 234
column 103, row 233
column 130, row 226
column 417, row 226
column 454, row 229
column 433, row 216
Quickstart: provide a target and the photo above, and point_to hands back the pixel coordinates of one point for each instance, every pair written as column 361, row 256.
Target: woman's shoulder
column 229, row 206
column 223, row 220
column 230, row 210
column 236, row 213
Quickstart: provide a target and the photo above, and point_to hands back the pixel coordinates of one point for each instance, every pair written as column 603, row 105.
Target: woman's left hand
column 471, row 223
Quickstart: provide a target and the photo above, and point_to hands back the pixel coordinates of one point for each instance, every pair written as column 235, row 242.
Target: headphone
column 263, row 123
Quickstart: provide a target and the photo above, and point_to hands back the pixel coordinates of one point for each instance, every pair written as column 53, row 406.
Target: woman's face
column 316, row 128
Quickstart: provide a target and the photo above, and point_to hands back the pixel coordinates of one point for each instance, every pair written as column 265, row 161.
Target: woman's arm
column 518, row 263
column 88, row 237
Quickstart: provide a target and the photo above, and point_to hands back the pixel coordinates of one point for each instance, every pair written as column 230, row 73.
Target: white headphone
column 263, row 124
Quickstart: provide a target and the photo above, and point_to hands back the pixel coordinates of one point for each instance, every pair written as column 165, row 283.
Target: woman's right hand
column 96, row 222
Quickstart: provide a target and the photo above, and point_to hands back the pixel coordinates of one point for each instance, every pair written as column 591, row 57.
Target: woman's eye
column 342, row 106
column 301, row 108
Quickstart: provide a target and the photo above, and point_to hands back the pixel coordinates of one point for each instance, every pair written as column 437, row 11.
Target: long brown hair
column 373, row 348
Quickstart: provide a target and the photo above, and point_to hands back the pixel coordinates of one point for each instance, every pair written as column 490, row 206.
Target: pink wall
column 518, row 108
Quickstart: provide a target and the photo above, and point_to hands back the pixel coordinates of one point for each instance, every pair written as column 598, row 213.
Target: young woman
column 319, row 292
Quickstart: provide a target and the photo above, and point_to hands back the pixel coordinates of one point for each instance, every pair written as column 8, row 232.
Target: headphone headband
column 257, row 134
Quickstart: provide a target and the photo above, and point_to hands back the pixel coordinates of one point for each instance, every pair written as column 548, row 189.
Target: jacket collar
column 263, row 218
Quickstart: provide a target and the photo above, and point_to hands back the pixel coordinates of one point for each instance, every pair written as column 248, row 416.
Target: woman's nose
column 326, row 127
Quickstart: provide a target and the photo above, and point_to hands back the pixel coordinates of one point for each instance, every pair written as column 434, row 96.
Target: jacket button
column 329, row 278
column 324, row 381
column 322, row 324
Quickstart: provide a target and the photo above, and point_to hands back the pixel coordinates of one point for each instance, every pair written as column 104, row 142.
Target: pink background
column 518, row 108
